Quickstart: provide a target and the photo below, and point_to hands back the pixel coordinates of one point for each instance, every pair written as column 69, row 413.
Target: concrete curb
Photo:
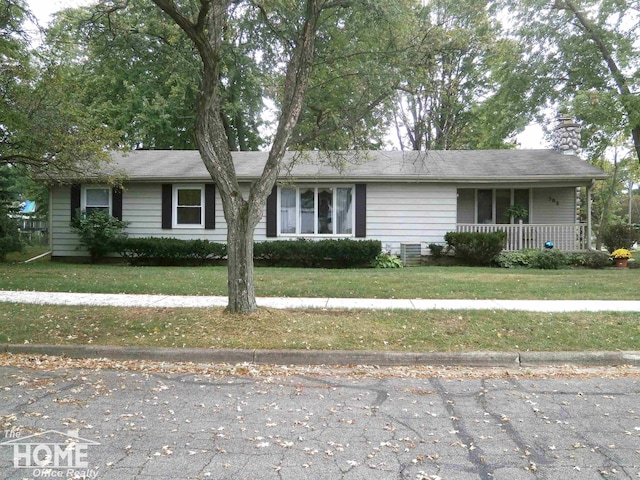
column 601, row 359
column 332, row 357
column 196, row 355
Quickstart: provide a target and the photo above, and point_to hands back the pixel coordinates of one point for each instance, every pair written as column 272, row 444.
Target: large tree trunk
column 241, row 290
column 242, row 215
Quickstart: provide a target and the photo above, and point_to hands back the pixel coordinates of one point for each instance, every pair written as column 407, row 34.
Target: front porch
column 571, row 237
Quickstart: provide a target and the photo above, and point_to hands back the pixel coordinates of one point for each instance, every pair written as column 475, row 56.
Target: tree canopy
column 441, row 74
column 141, row 75
column 586, row 56
column 44, row 129
column 463, row 85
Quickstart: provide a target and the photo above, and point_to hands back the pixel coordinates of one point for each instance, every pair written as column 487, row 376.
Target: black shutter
column 361, row 210
column 210, row 206
column 272, row 213
column 116, row 203
column 167, row 205
column 75, row 200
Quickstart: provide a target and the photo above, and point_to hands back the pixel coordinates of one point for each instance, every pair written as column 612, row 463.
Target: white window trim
column 174, row 206
column 83, row 197
column 316, row 187
column 493, row 201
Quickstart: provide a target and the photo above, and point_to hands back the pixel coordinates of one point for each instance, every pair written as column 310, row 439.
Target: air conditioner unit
column 410, row 254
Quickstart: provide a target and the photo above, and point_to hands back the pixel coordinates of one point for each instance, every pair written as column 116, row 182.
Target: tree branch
column 621, row 82
column 591, row 31
column 295, row 87
column 192, row 29
column 348, row 119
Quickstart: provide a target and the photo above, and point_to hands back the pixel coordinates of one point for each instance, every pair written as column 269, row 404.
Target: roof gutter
column 391, row 179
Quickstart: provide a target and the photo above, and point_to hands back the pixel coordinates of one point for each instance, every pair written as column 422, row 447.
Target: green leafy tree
column 9, row 228
column 297, row 30
column 587, row 57
column 354, row 77
column 9, row 234
column 607, row 194
column 43, row 130
column 622, row 199
column 629, row 206
column 137, row 72
column 198, row 74
column 463, row 85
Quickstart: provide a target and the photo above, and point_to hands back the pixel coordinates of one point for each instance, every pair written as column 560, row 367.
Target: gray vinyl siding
column 63, row 240
column 410, row 213
column 554, row 205
column 142, row 208
column 396, row 213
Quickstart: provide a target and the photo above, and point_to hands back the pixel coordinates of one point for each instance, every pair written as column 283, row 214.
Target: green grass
column 320, row 330
column 29, row 252
column 417, row 282
column 324, row 330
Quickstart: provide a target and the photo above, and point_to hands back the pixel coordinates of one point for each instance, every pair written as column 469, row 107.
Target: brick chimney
column 566, row 137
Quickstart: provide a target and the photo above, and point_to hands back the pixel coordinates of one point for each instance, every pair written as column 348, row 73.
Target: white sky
column 532, row 137
column 43, row 9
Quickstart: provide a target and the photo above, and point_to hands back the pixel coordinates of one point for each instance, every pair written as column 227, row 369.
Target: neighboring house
column 32, row 225
column 395, row 197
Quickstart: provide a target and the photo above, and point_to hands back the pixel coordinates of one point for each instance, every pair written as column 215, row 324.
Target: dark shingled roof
column 431, row 166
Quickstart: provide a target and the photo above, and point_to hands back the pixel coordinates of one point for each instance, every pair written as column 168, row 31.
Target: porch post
column 588, row 195
column 520, row 234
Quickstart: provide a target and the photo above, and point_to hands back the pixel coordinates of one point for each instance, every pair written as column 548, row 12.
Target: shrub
column 9, row 235
column 386, row 260
column 619, row 236
column 476, row 248
column 169, row 251
column 518, row 259
column 595, row 259
column 9, row 227
column 552, row 259
column 350, row 253
column 437, row 251
column 284, row 253
column 98, row 232
column 309, row 253
column 549, row 260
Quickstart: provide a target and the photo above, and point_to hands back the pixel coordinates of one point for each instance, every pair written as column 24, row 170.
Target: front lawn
column 320, row 330
column 29, row 252
column 416, row 282
column 324, row 330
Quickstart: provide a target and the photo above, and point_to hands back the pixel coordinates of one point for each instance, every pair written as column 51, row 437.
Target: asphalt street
column 288, row 423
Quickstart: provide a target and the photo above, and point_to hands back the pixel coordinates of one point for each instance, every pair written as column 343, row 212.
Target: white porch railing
column 565, row 236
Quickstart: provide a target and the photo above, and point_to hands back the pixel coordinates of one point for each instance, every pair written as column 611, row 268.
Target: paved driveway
column 159, row 422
